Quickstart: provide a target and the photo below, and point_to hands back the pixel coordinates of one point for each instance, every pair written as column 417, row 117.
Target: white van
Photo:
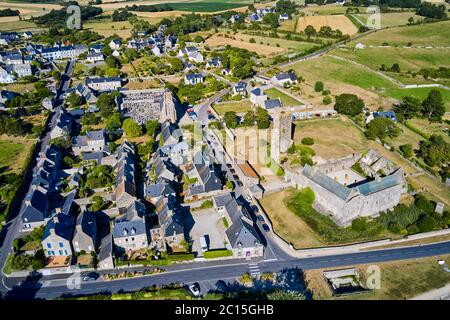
column 203, row 244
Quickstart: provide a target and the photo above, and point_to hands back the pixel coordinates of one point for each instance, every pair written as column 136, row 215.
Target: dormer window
column 125, row 232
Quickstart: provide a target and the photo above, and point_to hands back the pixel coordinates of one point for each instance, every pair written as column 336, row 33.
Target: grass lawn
column 85, row 259
column 237, row 106
column 431, row 34
column 286, row 224
column 326, row 10
column 286, row 100
column 400, row 280
column 334, row 138
column 14, row 151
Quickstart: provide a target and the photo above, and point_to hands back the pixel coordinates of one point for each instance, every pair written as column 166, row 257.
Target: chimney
column 58, row 210
column 55, row 219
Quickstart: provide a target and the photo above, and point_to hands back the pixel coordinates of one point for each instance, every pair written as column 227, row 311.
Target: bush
column 406, row 150
column 327, row 100
column 318, row 86
column 308, row 141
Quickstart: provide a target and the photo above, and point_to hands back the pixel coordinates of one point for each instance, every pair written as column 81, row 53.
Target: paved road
column 211, row 272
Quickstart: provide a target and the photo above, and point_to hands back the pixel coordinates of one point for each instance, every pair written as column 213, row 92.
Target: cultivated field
column 109, row 28
column 340, row 22
column 28, row 10
column 274, row 42
column 286, row 224
column 262, row 49
column 329, row 9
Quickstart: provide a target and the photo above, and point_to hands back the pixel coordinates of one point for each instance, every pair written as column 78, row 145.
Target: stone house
column 85, row 235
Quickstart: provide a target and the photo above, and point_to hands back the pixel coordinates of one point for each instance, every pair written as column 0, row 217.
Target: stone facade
column 281, row 134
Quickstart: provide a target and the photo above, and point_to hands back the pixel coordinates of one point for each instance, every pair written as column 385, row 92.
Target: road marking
column 254, row 269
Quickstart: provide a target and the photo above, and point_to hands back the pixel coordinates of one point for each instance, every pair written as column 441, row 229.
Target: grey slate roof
column 36, row 206
column 62, row 224
column 286, row 75
column 382, row 184
column 272, row 104
column 326, row 182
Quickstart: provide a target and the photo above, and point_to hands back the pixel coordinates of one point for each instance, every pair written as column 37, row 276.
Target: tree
column 408, row 108
column 272, row 20
column 198, row 39
column 318, row 87
column 381, row 128
column 349, row 104
column 309, row 30
column 407, row 150
column 249, row 118
column 106, row 103
column 435, row 151
column 433, row 106
column 114, row 121
column 262, row 118
column 89, row 119
column 230, row 119
column 151, row 127
column 131, row 128
column 74, row 100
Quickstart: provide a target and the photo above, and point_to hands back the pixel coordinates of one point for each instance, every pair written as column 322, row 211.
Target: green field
column 420, row 93
column 331, row 69
column 286, row 100
column 412, row 59
column 391, row 19
column 431, row 34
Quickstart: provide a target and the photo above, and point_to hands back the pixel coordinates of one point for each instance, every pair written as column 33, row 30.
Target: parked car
column 248, row 198
column 91, row 277
column 266, row 227
column 260, row 218
column 195, row 290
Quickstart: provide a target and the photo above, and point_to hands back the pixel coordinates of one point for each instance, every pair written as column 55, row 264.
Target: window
column 61, row 245
column 60, row 252
column 49, row 245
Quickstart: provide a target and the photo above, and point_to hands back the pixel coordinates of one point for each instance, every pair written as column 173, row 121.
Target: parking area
column 208, row 223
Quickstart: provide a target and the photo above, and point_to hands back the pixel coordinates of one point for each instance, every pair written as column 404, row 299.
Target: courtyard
column 208, row 223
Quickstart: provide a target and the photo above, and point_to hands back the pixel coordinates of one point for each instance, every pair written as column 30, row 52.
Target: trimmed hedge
column 417, row 130
column 217, row 254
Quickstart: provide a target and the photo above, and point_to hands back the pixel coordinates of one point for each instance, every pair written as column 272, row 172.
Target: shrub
column 406, row 150
column 308, row 141
column 318, row 86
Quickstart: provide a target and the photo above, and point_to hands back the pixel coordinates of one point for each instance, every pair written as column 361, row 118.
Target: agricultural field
column 391, row 19
column 274, row 42
column 431, row 34
column 329, row 9
column 340, row 22
column 412, row 59
column 237, row 106
column 341, row 77
column 28, row 10
column 9, row 24
column 219, row 40
column 109, row 28
column 286, row 100
column 400, row 280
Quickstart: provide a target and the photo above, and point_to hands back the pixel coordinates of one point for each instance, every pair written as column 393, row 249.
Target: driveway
column 208, row 223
